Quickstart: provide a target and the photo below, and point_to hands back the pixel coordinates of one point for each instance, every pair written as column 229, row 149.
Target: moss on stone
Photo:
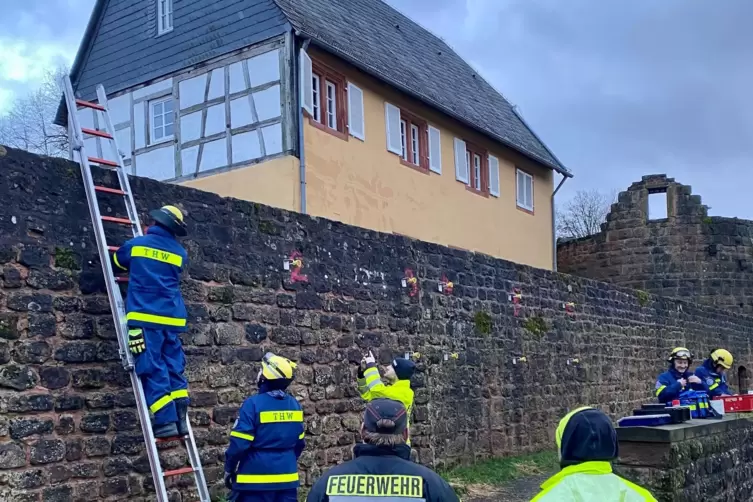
column 65, row 258
column 267, row 227
column 483, row 322
column 707, row 220
column 535, row 325
column 643, row 297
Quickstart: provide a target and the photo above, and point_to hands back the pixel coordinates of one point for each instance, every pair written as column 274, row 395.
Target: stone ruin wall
column 687, row 255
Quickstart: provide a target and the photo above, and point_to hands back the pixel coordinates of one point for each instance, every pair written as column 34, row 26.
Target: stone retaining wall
column 68, row 429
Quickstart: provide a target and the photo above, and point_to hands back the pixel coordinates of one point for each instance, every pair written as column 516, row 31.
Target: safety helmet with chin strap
column 680, row 353
column 275, row 367
column 170, row 218
column 721, row 357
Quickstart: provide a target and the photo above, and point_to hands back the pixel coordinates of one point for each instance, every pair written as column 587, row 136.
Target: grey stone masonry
column 68, row 426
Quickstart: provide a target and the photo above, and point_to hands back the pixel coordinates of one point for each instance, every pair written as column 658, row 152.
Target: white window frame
column 477, row 171
column 331, row 112
column 153, row 139
column 527, row 178
column 403, row 139
column 316, row 86
column 164, row 16
column 415, row 144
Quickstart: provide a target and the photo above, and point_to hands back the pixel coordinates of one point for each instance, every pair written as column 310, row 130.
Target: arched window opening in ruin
column 742, row 379
column 657, row 203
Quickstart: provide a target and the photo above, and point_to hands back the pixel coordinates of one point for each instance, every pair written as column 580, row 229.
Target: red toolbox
column 737, row 404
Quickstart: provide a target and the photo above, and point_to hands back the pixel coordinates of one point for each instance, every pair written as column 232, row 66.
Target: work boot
column 181, row 406
column 165, row 430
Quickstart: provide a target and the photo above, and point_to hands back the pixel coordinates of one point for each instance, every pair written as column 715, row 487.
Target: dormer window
column 164, row 16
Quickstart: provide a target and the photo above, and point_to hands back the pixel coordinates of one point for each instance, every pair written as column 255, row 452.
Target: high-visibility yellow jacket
column 586, row 439
column 591, row 482
column 370, row 386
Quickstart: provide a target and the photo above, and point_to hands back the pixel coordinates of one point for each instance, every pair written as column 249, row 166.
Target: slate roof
column 372, row 36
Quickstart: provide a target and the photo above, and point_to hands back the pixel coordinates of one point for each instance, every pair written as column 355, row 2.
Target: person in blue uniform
column 156, row 315
column 678, row 377
column 261, row 462
column 713, row 373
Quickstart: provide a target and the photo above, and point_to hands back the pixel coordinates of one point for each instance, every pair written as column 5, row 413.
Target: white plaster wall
column 190, row 127
column 163, row 85
column 264, row 68
column 240, row 112
column 272, row 138
column 158, row 164
column 237, row 82
column 192, row 91
column 217, row 83
column 120, row 109
column 214, row 155
column 188, row 158
column 267, row 103
column 246, row 146
column 123, row 137
column 139, row 125
column 215, row 122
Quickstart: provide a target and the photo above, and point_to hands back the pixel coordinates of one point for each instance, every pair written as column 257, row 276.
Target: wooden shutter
column 356, row 122
column 307, row 87
column 461, row 166
column 392, row 119
column 435, row 150
column 493, row 176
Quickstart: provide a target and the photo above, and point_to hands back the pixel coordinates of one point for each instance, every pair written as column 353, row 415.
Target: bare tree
column 584, row 213
column 28, row 124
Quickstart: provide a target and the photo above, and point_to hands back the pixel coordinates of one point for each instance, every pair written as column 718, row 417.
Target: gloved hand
column 136, row 343
column 370, row 359
column 229, row 478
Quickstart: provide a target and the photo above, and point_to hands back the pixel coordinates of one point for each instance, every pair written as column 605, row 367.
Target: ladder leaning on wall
column 76, row 137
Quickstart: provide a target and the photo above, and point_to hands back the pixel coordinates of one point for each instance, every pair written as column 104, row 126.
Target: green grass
column 500, row 471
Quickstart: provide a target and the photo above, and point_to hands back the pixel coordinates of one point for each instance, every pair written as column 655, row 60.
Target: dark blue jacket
column 713, row 383
column 154, row 262
column 265, row 442
column 668, row 388
column 381, row 473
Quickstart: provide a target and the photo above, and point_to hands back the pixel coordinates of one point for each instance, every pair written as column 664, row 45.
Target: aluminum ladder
column 76, row 137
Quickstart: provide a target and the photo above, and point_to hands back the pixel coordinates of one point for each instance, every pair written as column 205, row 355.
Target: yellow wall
column 274, row 183
column 363, row 184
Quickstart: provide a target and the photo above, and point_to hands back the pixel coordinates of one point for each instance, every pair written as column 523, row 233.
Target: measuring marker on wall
column 295, row 263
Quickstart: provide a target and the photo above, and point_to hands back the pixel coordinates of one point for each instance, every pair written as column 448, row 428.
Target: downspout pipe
column 301, row 146
column 554, row 225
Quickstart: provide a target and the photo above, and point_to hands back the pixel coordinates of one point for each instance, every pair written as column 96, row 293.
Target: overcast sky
column 616, row 88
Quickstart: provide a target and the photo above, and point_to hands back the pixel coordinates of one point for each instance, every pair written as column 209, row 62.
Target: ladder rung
column 89, row 104
column 168, row 440
column 178, row 472
column 113, row 219
column 94, row 132
column 108, row 190
column 103, row 162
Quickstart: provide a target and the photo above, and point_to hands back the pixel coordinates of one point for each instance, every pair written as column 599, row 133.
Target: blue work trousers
column 161, row 368
column 268, row 496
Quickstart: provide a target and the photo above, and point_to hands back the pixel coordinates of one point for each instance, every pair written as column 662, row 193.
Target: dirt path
column 520, row 490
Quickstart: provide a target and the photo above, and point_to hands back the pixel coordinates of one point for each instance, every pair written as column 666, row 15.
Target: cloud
column 621, row 89
column 37, row 36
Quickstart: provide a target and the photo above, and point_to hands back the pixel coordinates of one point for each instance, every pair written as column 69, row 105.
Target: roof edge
column 561, row 169
column 61, row 116
column 565, row 171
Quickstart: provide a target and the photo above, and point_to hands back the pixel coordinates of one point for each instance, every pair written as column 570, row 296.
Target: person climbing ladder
column 156, row 315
